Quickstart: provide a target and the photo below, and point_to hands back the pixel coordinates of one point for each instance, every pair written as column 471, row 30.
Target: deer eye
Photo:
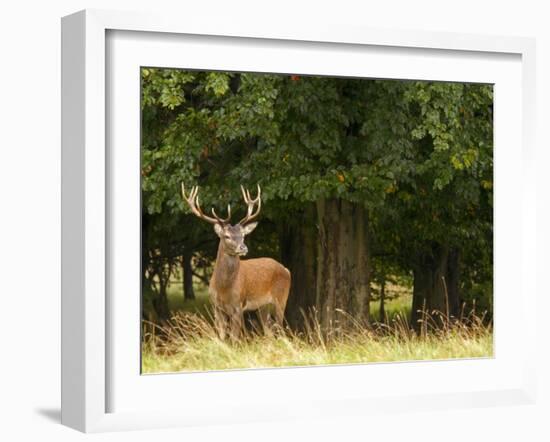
column 227, row 236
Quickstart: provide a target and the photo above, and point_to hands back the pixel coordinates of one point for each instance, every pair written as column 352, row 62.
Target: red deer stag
column 237, row 286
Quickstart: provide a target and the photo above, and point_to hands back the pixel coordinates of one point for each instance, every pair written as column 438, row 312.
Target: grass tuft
column 189, row 342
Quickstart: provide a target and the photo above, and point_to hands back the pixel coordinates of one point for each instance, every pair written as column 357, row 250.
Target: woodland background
column 367, row 185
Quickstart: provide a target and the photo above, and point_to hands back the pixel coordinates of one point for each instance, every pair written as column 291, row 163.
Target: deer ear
column 249, row 228
column 218, row 229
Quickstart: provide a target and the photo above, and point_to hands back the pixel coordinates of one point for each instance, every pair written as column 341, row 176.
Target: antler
column 194, row 205
column 250, row 203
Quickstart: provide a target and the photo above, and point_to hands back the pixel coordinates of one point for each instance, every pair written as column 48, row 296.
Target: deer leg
column 236, row 323
column 263, row 317
column 280, row 296
column 220, row 322
column 279, row 313
column 280, row 305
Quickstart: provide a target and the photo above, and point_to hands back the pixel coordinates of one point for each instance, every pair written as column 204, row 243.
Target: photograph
column 292, row 220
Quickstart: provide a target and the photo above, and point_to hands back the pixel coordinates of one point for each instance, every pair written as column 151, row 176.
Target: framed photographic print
column 319, row 215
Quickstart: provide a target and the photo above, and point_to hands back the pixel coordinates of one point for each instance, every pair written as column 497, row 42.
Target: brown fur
column 237, row 286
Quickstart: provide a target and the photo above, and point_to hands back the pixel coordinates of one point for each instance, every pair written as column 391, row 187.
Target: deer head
column 231, row 236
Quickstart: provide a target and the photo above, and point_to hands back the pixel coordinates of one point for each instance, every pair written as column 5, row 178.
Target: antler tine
column 251, row 203
column 225, row 220
column 244, row 193
column 248, row 198
column 194, row 205
column 191, row 196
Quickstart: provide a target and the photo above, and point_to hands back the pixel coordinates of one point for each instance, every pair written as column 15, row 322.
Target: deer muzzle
column 242, row 250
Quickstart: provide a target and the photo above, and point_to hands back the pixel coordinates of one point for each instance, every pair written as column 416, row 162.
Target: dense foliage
column 411, row 160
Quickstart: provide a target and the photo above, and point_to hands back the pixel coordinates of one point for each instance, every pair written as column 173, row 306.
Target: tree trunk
column 453, row 281
column 160, row 303
column 436, row 283
column 298, row 245
column 187, row 277
column 343, row 265
column 382, row 299
column 146, row 289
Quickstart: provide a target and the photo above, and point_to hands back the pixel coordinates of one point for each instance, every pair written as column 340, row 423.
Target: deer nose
column 243, row 249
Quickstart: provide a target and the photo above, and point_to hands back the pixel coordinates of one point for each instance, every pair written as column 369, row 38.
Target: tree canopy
column 406, row 166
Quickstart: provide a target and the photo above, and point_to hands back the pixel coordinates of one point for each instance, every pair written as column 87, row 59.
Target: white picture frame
column 87, row 208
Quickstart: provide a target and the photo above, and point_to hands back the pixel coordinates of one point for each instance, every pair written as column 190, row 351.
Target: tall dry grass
column 189, row 342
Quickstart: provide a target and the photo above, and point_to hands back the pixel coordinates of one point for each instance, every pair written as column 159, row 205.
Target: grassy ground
column 190, row 343
column 176, row 302
column 281, row 351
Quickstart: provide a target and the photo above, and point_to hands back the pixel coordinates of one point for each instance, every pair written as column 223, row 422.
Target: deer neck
column 226, row 268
